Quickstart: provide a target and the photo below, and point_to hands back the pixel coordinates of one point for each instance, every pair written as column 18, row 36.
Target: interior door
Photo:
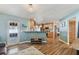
column 13, row 33
column 78, row 30
column 55, row 33
column 72, row 30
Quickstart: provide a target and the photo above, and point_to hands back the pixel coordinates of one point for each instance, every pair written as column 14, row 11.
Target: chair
column 3, row 49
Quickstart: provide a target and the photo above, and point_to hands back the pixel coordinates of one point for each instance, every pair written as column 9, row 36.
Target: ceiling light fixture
column 31, row 8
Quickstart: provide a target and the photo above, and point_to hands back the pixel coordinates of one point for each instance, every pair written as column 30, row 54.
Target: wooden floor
column 54, row 47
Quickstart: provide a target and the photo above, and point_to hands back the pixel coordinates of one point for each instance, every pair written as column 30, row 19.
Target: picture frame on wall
column 64, row 23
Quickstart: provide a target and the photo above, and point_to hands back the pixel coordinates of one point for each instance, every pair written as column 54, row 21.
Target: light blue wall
column 24, row 25
column 4, row 18
column 64, row 30
column 26, row 36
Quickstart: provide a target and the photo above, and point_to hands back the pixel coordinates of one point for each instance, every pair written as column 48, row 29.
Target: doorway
column 13, row 33
column 72, row 30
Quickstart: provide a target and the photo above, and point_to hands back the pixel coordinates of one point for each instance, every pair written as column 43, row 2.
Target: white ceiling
column 42, row 12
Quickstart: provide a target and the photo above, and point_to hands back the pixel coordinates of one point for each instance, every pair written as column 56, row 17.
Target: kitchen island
column 26, row 36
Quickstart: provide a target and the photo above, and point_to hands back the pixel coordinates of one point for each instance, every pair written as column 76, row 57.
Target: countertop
column 34, row 31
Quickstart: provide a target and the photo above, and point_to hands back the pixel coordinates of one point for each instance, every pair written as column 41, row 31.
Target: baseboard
column 63, row 41
column 25, row 42
column 22, row 43
column 30, row 42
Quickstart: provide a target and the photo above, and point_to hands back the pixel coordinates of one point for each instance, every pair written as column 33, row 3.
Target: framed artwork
column 64, row 23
